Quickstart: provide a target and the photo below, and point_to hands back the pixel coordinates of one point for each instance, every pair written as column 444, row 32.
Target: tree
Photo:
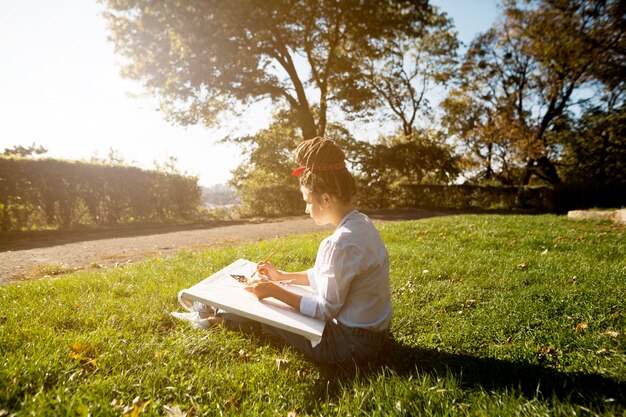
column 202, row 58
column 595, row 148
column 483, row 131
column 25, row 152
column 533, row 69
column 412, row 66
column 263, row 181
column 399, row 160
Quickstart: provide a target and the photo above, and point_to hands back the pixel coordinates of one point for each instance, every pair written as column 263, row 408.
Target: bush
column 558, row 199
column 271, row 201
column 584, row 195
column 54, row 193
column 475, row 196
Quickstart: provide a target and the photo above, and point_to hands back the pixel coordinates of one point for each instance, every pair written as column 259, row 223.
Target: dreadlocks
column 322, row 169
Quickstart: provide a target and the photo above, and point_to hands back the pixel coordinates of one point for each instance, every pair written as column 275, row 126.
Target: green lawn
column 494, row 315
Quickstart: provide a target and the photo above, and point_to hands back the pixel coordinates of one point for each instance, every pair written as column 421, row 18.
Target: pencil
column 269, row 257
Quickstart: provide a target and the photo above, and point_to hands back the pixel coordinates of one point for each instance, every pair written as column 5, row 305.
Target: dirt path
column 40, row 255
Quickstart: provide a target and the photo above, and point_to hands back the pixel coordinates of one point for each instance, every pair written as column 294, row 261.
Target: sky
column 60, row 87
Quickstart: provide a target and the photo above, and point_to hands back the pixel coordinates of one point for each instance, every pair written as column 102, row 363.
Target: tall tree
column 535, row 65
column 411, row 68
column 595, row 148
column 204, row 57
column 481, row 112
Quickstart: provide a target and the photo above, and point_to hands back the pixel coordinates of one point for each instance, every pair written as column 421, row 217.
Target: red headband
column 296, row 172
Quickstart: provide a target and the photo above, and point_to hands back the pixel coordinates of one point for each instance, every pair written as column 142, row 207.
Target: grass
column 494, row 315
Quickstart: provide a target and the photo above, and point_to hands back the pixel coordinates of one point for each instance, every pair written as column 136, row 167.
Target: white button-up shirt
column 351, row 277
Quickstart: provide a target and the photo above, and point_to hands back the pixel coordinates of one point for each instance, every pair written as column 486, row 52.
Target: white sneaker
column 197, row 320
column 203, row 310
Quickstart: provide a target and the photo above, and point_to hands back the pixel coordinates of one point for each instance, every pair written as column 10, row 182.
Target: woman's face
column 314, row 206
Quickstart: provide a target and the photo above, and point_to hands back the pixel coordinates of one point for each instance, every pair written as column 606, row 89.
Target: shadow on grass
column 532, row 381
column 489, row 374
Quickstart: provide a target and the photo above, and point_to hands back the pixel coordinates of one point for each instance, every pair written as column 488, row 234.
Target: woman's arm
column 269, row 271
column 264, row 289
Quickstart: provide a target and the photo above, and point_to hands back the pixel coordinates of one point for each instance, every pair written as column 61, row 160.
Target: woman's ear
column 325, row 199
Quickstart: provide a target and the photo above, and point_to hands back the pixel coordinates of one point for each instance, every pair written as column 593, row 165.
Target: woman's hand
column 267, row 270
column 261, row 288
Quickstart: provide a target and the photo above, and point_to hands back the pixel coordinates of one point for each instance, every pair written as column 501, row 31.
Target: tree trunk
column 543, row 168
column 306, row 123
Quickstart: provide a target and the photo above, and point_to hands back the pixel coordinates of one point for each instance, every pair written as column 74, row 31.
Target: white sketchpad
column 223, row 291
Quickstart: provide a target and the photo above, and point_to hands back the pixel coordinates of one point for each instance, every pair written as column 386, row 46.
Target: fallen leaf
column 581, row 327
column 281, row 363
column 231, row 403
column 174, row 411
column 547, row 353
column 523, row 266
column 545, row 252
column 84, row 352
column 612, row 333
column 243, row 356
column 137, row 408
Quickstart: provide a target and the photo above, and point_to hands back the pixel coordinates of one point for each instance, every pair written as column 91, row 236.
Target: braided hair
column 323, row 169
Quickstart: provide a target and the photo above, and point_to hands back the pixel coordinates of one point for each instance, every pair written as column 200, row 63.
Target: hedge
column 558, row 199
column 282, row 200
column 38, row 193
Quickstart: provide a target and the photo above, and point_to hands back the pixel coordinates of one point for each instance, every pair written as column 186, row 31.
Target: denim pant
column 340, row 344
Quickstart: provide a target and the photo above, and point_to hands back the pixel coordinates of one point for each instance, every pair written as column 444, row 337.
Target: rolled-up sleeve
column 308, row 303
column 335, row 267
column 310, row 273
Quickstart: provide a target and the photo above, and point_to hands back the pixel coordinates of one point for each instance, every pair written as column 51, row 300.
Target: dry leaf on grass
column 85, row 353
column 581, row 327
column 547, row 354
column 174, row 411
column 133, row 410
column 282, row 363
column 243, row 355
column 231, row 403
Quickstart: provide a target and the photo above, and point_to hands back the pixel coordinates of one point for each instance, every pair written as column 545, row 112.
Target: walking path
column 41, row 255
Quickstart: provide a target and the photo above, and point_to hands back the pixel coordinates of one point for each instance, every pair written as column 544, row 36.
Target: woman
column 351, row 271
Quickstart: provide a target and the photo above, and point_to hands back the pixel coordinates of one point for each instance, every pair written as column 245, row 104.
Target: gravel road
column 38, row 255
